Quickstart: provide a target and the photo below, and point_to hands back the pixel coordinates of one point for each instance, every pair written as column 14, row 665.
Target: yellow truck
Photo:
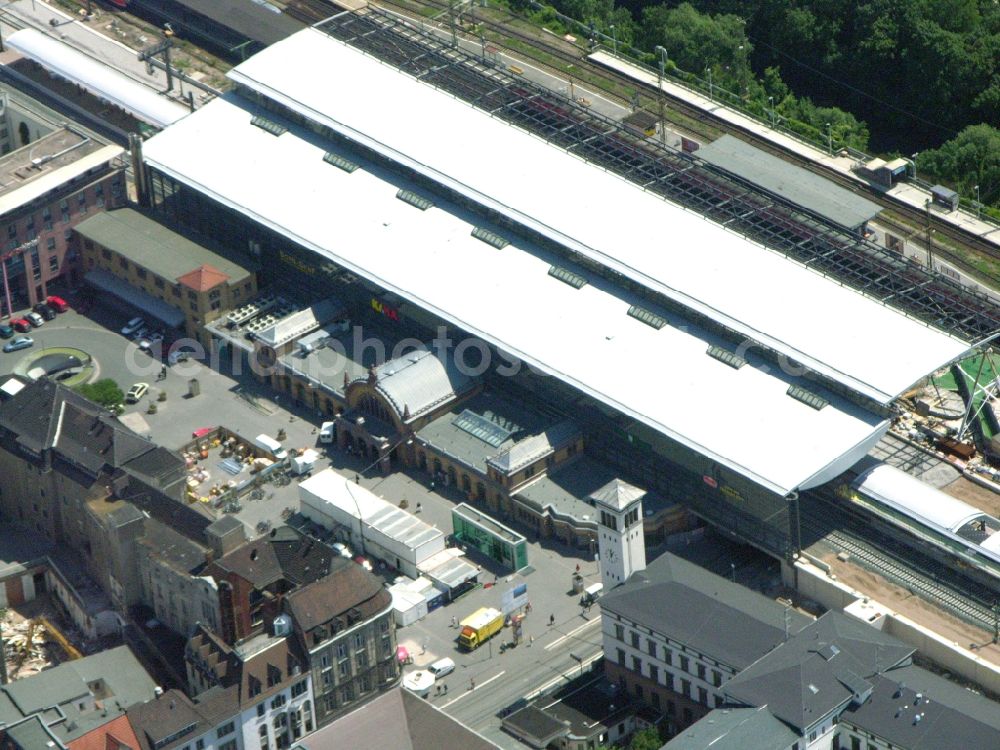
column 479, row 627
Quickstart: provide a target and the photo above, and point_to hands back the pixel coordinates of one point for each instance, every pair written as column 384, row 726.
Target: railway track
column 850, row 532
column 557, row 55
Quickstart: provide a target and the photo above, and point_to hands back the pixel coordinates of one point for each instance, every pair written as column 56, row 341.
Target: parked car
column 342, row 549
column 363, row 562
column 179, row 355
column 6, row 332
column 21, row 342
column 21, row 324
column 45, row 311
column 35, row 319
column 132, row 326
column 136, row 392
column 57, row 303
column 140, row 334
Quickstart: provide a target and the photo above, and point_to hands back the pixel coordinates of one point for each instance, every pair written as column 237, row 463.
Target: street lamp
column 770, row 104
column 614, row 40
column 661, row 70
column 913, row 161
column 978, row 204
column 732, row 568
column 708, row 72
column 829, row 138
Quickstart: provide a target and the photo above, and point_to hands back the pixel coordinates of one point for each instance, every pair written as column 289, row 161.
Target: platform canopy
column 755, row 292
column 513, row 298
column 780, row 177
column 98, row 78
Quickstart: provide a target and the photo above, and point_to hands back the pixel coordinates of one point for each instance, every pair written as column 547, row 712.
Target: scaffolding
column 682, row 178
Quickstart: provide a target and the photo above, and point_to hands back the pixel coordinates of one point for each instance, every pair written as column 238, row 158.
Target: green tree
column 971, row 158
column 104, row 392
column 696, row 41
column 647, row 739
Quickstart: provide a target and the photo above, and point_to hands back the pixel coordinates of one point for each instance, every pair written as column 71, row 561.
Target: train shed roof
column 757, row 293
column 652, row 365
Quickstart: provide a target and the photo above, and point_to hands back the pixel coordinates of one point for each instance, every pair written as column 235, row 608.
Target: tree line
column 900, row 77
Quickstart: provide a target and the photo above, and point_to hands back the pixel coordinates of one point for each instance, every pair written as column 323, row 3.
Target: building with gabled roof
column 183, row 281
column 76, row 704
column 729, row 668
column 346, row 619
column 252, row 578
column 67, row 467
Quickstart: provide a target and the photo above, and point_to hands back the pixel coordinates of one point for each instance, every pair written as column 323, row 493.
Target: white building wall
column 28, row 585
column 280, row 713
column 701, row 668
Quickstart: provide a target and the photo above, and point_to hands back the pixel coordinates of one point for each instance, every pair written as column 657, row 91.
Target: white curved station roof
column 741, row 419
column 917, row 499
column 101, row 80
column 831, row 329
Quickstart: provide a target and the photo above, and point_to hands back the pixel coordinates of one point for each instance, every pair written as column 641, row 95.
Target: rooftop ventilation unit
column 724, row 355
column 417, row 201
column 339, row 162
column 649, row 318
column 807, row 397
column 566, row 276
column 490, row 238
column 269, row 125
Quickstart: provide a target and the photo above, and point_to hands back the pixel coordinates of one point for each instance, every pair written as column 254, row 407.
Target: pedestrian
column 437, row 690
column 357, row 479
column 552, row 620
column 454, row 621
column 419, row 507
column 531, row 641
column 472, row 683
column 578, row 567
column 446, row 688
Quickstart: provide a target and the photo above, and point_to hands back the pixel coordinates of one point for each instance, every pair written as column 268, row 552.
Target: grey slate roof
column 114, row 677
column 224, row 525
column 706, row 612
column 31, row 734
column 173, row 548
column 446, row 436
column 529, row 450
column 891, row 714
column 155, row 246
column 46, row 415
column 735, row 729
column 618, row 494
column 398, row 720
column 823, row 668
column 419, row 382
column 796, row 184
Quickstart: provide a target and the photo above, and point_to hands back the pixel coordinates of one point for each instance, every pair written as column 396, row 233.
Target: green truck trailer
column 479, row 627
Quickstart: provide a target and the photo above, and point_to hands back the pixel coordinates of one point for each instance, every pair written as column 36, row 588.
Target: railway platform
column 839, row 161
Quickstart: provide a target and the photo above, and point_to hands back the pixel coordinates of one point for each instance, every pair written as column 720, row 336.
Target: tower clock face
column 611, row 555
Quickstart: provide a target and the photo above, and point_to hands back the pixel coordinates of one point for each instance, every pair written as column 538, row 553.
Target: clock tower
column 620, row 540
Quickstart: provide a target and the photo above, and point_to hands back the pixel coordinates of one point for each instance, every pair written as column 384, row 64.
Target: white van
column 441, row 667
column 272, row 446
column 326, row 432
column 592, row 593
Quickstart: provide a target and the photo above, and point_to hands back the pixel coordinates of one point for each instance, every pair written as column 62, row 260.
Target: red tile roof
column 111, row 736
column 203, row 278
